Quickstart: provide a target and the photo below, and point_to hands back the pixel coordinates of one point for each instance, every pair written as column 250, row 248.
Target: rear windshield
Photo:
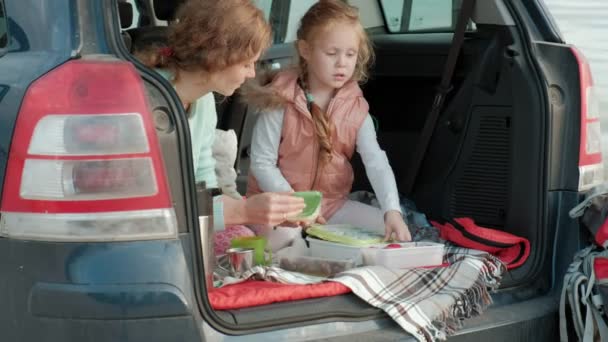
column 415, row 16
column 284, row 16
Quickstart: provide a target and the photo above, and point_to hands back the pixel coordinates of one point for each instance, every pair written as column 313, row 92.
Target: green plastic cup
column 259, row 246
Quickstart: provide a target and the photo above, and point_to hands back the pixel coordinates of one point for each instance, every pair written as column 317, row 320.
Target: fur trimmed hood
column 274, row 89
column 264, row 91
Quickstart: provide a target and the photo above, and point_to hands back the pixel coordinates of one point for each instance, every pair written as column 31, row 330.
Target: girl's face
column 228, row 80
column 331, row 56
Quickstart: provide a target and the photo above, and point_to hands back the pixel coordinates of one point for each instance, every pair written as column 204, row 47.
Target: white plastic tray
column 411, row 254
column 332, row 250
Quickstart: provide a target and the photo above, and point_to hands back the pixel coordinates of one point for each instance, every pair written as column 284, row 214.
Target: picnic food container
column 313, row 205
column 340, row 241
column 334, row 250
column 346, row 234
column 409, row 254
column 320, row 267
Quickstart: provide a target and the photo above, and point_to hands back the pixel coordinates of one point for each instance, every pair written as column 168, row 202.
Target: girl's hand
column 395, row 226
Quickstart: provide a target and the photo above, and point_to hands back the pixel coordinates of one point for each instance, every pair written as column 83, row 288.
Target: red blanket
column 254, row 292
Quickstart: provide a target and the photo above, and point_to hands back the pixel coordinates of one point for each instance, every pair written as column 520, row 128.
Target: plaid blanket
column 429, row 303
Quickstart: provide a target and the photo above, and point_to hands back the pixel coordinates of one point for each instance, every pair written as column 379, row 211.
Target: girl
column 203, row 55
column 315, row 117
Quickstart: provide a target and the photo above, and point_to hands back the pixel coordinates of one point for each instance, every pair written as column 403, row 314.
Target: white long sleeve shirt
column 265, row 150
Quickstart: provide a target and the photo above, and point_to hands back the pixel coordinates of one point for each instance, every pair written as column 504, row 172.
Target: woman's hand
column 307, row 223
column 272, row 208
column 303, row 223
column 395, row 226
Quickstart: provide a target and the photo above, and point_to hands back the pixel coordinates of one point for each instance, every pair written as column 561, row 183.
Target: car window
column 135, row 15
column 3, row 29
column 403, row 16
column 284, row 16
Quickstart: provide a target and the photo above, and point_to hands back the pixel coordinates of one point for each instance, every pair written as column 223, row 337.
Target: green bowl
column 313, row 204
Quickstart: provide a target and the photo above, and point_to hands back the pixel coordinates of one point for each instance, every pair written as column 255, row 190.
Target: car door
column 575, row 162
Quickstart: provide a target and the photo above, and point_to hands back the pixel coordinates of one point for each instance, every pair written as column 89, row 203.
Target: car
column 99, row 230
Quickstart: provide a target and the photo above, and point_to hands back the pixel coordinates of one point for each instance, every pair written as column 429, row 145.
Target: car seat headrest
column 125, row 11
column 165, row 9
column 146, row 36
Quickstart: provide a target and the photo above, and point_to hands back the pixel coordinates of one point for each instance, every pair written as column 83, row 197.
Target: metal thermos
column 204, row 198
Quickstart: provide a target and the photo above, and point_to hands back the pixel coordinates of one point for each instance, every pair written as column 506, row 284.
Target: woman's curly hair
column 211, row 35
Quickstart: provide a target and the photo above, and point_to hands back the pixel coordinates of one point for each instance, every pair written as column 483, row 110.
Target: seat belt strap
column 442, row 90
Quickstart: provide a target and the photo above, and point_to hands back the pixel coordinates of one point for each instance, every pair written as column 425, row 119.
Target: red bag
column 510, row 249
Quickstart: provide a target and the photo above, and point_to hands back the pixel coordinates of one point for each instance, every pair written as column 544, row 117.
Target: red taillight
column 85, row 163
column 130, row 177
column 591, row 170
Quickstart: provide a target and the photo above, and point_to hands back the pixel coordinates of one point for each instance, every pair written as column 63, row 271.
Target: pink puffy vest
column 299, row 149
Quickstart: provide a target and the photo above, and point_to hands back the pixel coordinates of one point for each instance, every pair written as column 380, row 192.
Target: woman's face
column 228, row 80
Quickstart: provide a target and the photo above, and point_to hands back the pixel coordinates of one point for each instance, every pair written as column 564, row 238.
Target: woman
column 212, row 47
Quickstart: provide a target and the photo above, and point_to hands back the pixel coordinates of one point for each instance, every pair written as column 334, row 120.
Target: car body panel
column 151, row 291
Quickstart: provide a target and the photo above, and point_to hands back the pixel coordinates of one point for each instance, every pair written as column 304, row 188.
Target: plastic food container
column 313, row 205
column 410, row 254
column 320, row 267
column 345, row 234
column 333, row 250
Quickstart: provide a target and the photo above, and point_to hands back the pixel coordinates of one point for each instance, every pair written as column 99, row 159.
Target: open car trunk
column 485, row 161
column 469, row 169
